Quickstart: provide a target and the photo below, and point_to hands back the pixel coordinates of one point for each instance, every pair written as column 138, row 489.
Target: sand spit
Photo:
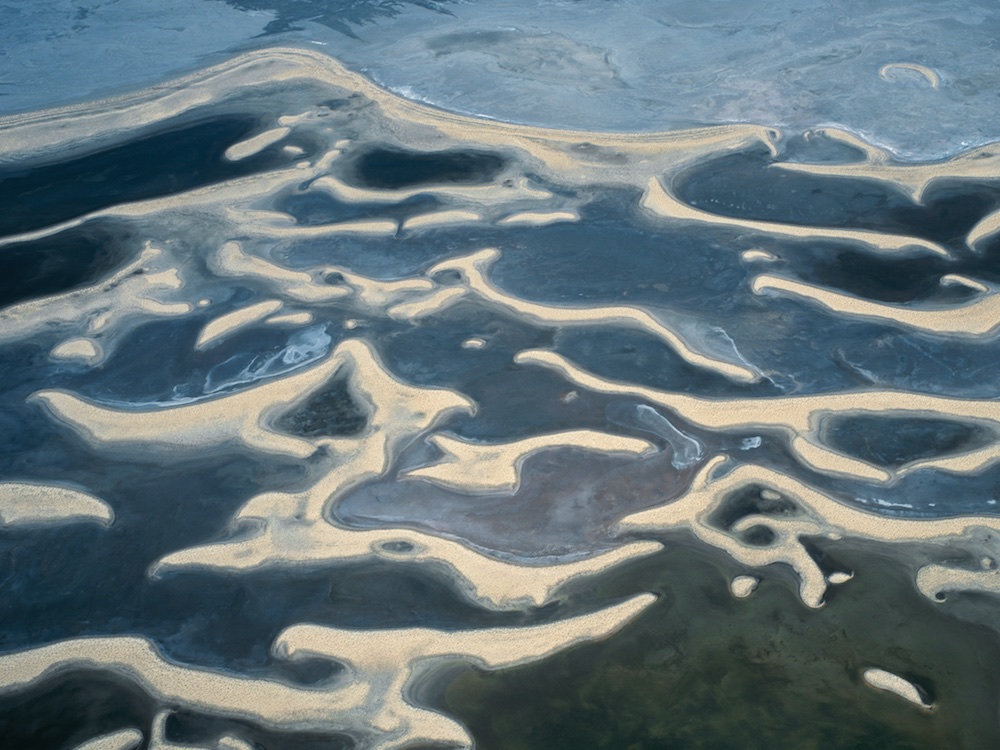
column 141, row 290
column 240, row 419
column 802, row 418
column 474, row 267
column 893, row 683
column 935, row 581
column 975, row 319
column 977, row 165
column 440, row 219
column 888, row 72
column 31, row 504
column 86, row 351
column 812, row 514
column 232, row 261
column 955, row 279
column 984, row 231
column 659, row 202
column 256, row 144
column 282, row 541
column 562, row 156
column 538, row 218
column 435, row 302
column 124, row 739
column 495, row 468
column 299, row 529
column 293, row 319
column 226, row 325
column 370, row 701
column 379, row 661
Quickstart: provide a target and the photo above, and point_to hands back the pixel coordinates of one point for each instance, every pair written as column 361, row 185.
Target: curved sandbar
column 226, row 325
column 893, row 683
column 815, row 514
column 801, row 418
column 977, row 165
column 123, row 739
column 473, row 269
column 371, row 701
column 239, row 419
column 977, row 318
column 658, row 201
column 487, row 468
column 32, row 504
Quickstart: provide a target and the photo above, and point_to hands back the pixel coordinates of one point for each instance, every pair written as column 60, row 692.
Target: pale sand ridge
column 659, row 202
column 893, row 683
column 33, row 504
column 371, row 700
column 975, row 319
column 226, row 325
column 123, row 739
column 800, row 418
column 473, row 269
column 485, row 468
column 816, row 515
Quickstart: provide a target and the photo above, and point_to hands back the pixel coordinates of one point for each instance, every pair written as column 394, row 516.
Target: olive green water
column 701, row 669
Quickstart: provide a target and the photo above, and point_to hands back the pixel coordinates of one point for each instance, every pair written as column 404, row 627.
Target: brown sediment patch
column 474, row 267
column 801, row 418
column 975, row 319
column 812, row 514
column 35, row 504
column 658, row 201
column 488, row 468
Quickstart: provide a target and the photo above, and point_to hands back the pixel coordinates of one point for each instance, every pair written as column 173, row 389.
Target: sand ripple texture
column 317, row 396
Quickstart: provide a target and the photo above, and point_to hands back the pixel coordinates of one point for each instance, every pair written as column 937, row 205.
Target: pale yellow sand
column 817, row 515
column 935, row 581
column 440, row 219
column 538, row 218
column 659, row 202
column 954, row 279
column 487, row 468
column 800, row 418
column 31, row 504
column 236, row 419
column 226, row 325
column 977, row 318
column 290, row 319
column 474, row 267
column 479, row 195
column 763, row 256
column 887, row 72
column 124, row 739
column 977, row 164
column 871, row 152
column 232, row 261
column 742, row 586
column 256, row 144
column 893, row 683
column 986, row 229
column 474, row 343
column 437, row 301
column 142, row 289
column 83, row 350
column 371, row 700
